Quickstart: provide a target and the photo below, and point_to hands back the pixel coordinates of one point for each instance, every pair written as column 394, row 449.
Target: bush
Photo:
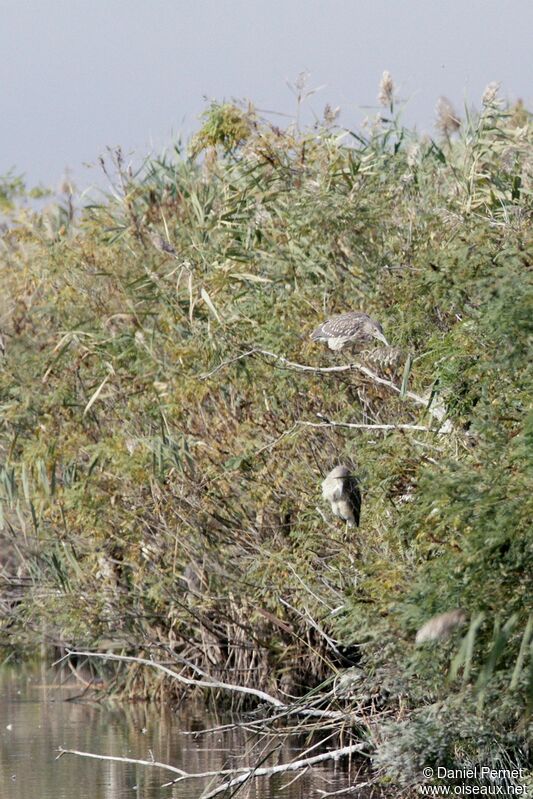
column 159, row 488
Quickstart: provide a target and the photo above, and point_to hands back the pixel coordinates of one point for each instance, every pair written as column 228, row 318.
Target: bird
column 352, row 329
column 441, row 626
column 341, row 489
column 162, row 244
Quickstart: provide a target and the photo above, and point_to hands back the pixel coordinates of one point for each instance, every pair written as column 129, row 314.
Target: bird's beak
column 381, row 338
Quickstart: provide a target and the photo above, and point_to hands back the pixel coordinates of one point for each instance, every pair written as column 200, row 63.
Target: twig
column 273, row 443
column 312, row 623
column 228, row 362
column 296, row 777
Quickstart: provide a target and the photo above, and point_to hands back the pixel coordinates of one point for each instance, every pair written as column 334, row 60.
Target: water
column 36, row 719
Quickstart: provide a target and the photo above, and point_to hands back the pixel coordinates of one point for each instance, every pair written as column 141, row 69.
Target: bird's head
column 377, row 332
column 340, row 471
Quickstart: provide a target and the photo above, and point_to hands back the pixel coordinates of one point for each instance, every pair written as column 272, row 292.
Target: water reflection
column 35, row 720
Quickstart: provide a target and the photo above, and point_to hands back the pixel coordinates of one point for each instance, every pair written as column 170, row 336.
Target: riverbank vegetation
column 163, row 448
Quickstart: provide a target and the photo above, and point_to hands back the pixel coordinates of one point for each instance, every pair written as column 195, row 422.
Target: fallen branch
column 286, row 710
column 437, row 411
column 154, row 763
column 244, row 773
column 207, row 683
column 283, row 768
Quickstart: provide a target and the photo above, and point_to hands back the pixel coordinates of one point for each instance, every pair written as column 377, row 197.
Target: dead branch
column 286, row 710
column 354, row 426
column 228, row 363
column 244, row 773
column 435, row 410
column 283, row 768
column 361, row 426
column 153, row 763
column 207, row 683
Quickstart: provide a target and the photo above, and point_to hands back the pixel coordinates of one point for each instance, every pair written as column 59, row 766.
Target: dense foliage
column 152, row 502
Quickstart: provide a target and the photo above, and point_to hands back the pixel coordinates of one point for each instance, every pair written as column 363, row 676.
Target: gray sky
column 82, row 74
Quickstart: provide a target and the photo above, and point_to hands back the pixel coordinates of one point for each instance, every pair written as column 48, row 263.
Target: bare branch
column 312, row 623
column 244, row 773
column 336, row 754
column 286, row 710
column 153, row 763
column 351, row 425
column 435, row 410
column 183, row 775
column 360, row 426
column 207, row 683
column 227, row 363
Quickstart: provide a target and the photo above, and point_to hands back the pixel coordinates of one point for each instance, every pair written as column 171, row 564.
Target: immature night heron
column 441, row 626
column 162, row 244
column 352, row 329
column 341, row 490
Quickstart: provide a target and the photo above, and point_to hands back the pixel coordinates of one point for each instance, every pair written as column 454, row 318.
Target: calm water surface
column 36, row 719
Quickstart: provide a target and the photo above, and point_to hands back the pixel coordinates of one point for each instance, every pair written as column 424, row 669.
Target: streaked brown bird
column 162, row 244
column 353, row 329
column 341, row 490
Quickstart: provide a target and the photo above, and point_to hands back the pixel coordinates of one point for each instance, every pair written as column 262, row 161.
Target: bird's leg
column 346, row 539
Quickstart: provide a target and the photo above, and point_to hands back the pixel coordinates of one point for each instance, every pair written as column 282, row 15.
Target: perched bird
column 352, row 329
column 441, row 626
column 341, row 490
column 162, row 244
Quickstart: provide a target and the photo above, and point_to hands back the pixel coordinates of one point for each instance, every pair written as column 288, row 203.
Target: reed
column 167, row 424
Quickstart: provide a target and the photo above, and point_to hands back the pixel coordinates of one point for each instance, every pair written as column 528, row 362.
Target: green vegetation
column 154, row 504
